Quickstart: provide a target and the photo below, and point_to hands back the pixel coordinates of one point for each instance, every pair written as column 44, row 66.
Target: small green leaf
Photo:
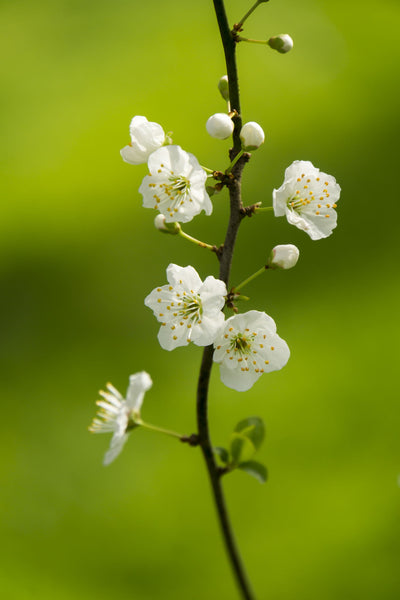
column 222, row 454
column 242, row 448
column 252, row 428
column 255, row 469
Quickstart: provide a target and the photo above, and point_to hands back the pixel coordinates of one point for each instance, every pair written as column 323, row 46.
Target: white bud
column 252, row 136
column 284, row 256
column 223, row 86
column 161, row 225
column 146, row 137
column 220, row 126
column 282, row 43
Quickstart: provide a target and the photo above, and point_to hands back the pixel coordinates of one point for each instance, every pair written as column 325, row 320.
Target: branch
column 226, row 253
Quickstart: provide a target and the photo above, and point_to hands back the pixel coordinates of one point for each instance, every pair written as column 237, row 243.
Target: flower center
column 179, row 185
column 242, row 343
column 310, row 189
column 192, row 307
column 173, row 192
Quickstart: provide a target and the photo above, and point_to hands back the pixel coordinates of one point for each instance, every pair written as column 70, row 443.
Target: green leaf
column 222, row 454
column 255, row 469
column 242, row 448
column 252, row 428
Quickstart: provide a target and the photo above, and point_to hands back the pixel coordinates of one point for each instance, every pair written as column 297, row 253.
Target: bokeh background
column 78, row 254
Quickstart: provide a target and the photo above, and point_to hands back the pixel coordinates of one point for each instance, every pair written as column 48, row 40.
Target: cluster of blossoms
column 176, row 183
column 189, row 309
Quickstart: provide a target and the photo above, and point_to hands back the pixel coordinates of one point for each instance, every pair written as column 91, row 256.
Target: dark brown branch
column 225, row 256
column 229, row 45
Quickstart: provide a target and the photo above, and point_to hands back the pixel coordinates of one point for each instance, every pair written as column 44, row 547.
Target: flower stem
column 188, row 237
column 235, row 219
column 246, row 281
column 258, row 209
column 243, row 39
column 234, row 161
column 238, row 26
column 160, row 430
column 207, row 170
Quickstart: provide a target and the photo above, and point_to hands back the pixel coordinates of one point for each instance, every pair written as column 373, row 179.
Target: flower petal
column 133, row 156
column 139, row 383
column 238, row 380
column 183, row 276
column 170, row 339
column 116, row 446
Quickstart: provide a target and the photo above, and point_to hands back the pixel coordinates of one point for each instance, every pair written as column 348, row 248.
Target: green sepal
column 222, row 454
column 252, row 428
column 255, row 469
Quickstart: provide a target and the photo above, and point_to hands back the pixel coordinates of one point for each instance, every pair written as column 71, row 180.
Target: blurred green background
column 79, row 254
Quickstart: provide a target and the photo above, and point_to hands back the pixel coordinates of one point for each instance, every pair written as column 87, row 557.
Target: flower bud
column 161, row 225
column 220, row 126
column 252, row 136
column 223, row 86
column 282, row 43
column 284, row 256
column 146, row 137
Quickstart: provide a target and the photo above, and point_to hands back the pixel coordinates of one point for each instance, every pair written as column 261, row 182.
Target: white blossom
column 175, row 185
column 188, row 309
column 118, row 415
column 248, row 346
column 220, row 126
column 146, row 137
column 252, row 136
column 284, row 256
column 308, row 198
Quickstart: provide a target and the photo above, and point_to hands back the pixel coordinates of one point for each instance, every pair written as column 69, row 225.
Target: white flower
column 252, row 136
column 146, row 137
column 247, row 347
column 175, row 185
column 284, row 256
column 188, row 309
column 220, row 126
column 283, row 43
column 308, row 199
column 119, row 415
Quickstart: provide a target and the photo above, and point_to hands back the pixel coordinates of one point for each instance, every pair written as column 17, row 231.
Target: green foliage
column 241, row 449
column 245, row 440
column 255, row 469
column 252, row 428
column 222, row 454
